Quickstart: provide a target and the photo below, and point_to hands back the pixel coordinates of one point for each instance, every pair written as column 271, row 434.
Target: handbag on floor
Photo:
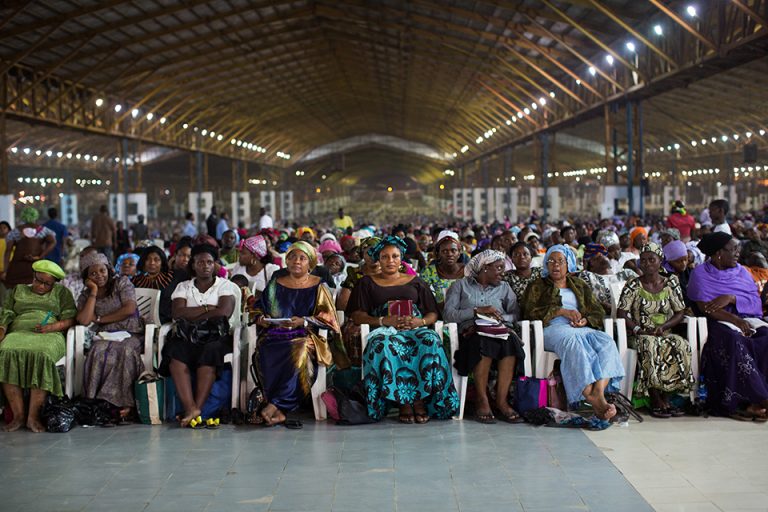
column 150, row 397
column 530, row 393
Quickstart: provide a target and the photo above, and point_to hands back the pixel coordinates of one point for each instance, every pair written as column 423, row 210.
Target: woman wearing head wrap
column 610, row 240
column 32, row 324
column 572, row 317
column 108, row 303
column 677, row 262
column 306, row 234
column 126, row 264
column 208, row 302
column 255, row 263
column 445, row 267
column 598, row 275
column 735, row 358
column 523, row 274
column 287, row 353
column 482, row 292
column 638, row 237
column 28, row 243
column 404, row 361
column 652, row 306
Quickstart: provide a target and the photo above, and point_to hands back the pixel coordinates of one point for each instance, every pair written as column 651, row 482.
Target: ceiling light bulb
column 99, row 102
column 135, row 113
column 658, row 30
column 592, row 70
column 185, row 126
column 578, row 82
column 691, row 10
column 609, row 59
column 163, row 120
column 118, row 107
column 631, row 46
column 150, row 116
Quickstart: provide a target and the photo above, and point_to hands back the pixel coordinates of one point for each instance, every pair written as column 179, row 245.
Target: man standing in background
column 103, row 233
column 60, row 230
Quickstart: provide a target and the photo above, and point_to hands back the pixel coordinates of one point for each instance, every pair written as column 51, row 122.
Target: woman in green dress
column 32, row 322
column 446, row 267
column 652, row 306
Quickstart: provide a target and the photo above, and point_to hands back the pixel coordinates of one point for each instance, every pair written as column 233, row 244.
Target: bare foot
column 34, row 425
column 267, row 413
column 602, row 408
column 278, row 418
column 13, row 426
column 194, row 413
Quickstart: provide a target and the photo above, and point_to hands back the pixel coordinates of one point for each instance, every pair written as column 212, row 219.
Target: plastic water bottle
column 702, row 390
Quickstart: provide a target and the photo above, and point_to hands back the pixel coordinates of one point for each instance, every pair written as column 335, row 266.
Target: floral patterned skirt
column 735, row 368
column 406, row 366
column 664, row 363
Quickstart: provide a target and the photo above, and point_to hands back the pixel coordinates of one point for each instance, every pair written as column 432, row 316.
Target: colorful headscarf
column 673, row 232
column 367, row 243
column 29, row 215
column 329, row 245
column 305, row 229
column 375, row 251
column 654, row 248
column 636, row 231
column 592, row 250
column 675, row 250
column 570, row 258
column 256, row 245
column 306, row 249
column 480, row 260
column 608, row 238
column 48, row 267
column 93, row 258
column 123, row 257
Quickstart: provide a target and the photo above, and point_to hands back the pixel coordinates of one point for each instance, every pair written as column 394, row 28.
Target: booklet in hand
column 400, row 308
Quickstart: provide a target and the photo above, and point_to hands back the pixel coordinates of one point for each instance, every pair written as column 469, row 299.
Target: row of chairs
column 538, row 362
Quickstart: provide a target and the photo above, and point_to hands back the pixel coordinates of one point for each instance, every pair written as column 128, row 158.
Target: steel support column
column 640, row 166
column 544, row 178
column 630, row 159
column 507, row 174
column 199, row 181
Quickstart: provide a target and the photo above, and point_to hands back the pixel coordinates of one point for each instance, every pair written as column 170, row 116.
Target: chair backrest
column 148, row 302
column 616, row 289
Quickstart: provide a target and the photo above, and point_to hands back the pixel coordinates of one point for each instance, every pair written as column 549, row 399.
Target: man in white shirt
column 189, row 226
column 222, row 226
column 265, row 221
column 718, row 210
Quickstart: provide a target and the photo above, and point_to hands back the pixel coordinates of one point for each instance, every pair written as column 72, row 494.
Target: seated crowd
column 399, row 281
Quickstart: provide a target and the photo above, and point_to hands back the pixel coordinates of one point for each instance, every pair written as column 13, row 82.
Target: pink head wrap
column 329, row 246
column 257, row 245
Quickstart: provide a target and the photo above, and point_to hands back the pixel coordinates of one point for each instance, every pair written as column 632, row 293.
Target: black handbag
column 201, row 332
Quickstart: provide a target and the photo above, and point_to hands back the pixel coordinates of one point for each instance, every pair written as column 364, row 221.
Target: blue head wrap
column 398, row 242
column 124, row 257
column 570, row 258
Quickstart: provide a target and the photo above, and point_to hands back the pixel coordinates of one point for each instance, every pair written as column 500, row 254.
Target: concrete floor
column 684, row 465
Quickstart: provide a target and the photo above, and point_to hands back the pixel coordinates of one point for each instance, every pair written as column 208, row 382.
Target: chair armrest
column 365, row 329
column 538, row 345
column 525, row 337
column 69, row 364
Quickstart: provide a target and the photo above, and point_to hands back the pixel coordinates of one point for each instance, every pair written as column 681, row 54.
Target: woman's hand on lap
column 718, row 303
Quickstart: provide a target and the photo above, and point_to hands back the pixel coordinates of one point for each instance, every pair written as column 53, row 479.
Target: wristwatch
column 306, row 324
column 98, row 319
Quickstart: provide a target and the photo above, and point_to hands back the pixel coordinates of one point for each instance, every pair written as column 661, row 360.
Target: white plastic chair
column 148, row 305
column 462, row 382
column 68, row 362
column 318, row 388
column 545, row 361
column 233, row 357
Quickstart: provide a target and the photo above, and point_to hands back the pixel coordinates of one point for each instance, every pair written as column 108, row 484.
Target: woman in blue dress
column 404, row 361
column 589, row 360
column 287, row 353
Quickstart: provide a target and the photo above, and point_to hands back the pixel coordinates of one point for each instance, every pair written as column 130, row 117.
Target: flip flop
column 293, row 424
column 212, row 423
column 513, row 418
column 660, row 412
column 196, row 423
column 486, row 419
column 741, row 415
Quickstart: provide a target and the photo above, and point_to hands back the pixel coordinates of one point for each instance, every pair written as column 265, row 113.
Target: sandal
column 741, row 415
column 660, row 412
column 513, row 417
column 196, row 423
column 485, row 418
column 676, row 412
column 212, row 423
